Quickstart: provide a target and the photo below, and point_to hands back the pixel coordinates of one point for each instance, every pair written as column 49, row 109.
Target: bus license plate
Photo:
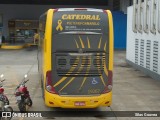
column 18, row 97
column 79, row 103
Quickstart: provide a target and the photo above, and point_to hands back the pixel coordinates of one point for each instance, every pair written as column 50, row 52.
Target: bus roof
column 80, row 9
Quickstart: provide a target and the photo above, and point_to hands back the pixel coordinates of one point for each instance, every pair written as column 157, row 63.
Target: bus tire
column 42, row 89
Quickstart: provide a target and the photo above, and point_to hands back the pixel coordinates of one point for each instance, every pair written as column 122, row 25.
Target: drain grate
column 148, row 54
column 142, row 53
column 136, row 50
column 155, row 56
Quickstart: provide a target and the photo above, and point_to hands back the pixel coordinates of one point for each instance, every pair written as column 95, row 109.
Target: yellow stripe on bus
column 105, row 46
column 89, row 46
column 64, row 78
column 88, row 68
column 110, row 40
column 71, row 69
column 77, row 44
column 99, row 45
column 105, row 69
column 102, row 80
column 81, row 42
column 67, row 83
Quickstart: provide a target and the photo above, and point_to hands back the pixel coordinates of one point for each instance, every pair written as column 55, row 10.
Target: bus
column 75, row 57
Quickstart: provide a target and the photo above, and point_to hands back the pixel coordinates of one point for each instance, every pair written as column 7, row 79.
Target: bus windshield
column 80, row 22
column 79, row 49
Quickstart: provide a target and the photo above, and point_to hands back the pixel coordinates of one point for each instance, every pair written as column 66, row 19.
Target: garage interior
column 31, row 10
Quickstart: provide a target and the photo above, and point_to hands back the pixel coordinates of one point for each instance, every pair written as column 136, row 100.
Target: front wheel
column 29, row 102
column 8, row 109
column 22, row 106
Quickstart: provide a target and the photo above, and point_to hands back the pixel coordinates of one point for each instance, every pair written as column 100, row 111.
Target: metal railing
column 153, row 16
column 159, row 16
column 134, row 20
column 146, row 17
column 140, row 16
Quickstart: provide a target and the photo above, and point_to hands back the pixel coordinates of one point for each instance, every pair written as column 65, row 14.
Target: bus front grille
column 80, row 66
column 62, row 62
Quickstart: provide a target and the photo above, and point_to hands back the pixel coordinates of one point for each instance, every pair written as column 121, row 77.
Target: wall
column 28, row 12
column 143, row 45
column 34, row 11
column 120, row 29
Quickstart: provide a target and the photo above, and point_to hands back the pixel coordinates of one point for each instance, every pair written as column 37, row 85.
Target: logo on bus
column 59, row 26
column 94, row 81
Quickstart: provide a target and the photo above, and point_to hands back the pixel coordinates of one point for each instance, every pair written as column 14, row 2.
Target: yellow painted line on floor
column 14, row 47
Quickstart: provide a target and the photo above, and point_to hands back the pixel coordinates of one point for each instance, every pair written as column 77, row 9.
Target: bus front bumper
column 54, row 100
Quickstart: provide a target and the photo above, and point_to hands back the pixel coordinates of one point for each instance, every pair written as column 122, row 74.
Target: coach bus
column 75, row 57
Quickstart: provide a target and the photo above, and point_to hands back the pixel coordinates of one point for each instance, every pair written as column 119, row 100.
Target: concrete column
column 123, row 5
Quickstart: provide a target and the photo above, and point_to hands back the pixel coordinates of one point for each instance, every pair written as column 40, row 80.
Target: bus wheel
column 42, row 89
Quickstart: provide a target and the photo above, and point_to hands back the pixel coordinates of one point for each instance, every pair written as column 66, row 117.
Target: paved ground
column 132, row 90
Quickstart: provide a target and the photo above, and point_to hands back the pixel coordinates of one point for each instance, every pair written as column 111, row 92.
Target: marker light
column 49, row 86
column 108, row 87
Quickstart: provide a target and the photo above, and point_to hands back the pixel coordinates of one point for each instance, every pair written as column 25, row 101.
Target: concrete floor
column 132, row 90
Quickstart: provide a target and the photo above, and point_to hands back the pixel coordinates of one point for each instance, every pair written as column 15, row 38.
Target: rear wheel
column 22, row 106
column 6, row 100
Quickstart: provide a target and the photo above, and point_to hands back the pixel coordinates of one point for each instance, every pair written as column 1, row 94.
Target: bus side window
column 42, row 26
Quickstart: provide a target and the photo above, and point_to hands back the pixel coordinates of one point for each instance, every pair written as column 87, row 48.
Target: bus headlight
column 49, row 86
column 109, row 87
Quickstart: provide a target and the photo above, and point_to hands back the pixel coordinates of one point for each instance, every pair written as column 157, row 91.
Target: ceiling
column 57, row 2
